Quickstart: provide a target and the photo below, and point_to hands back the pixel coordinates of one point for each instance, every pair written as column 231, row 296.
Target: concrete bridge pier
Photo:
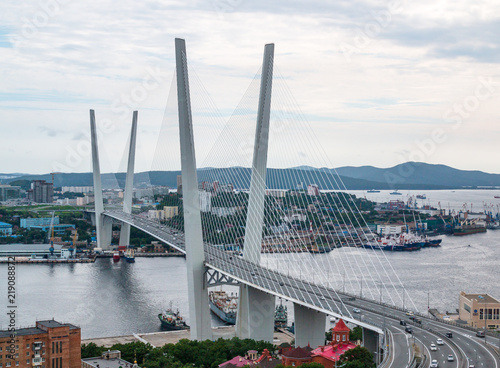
column 310, row 326
column 255, row 318
column 371, row 342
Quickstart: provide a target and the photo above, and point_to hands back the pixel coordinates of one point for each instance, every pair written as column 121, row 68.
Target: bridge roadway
column 374, row 316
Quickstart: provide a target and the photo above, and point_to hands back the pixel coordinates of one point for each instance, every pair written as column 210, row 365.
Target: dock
column 158, row 339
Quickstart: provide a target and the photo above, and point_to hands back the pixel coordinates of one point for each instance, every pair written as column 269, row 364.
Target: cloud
column 401, row 78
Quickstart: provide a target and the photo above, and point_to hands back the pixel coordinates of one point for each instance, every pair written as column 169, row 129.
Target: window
column 17, row 346
column 53, row 343
column 17, row 355
column 43, row 352
column 27, row 346
column 60, row 362
column 7, row 364
column 17, row 363
column 27, row 353
column 338, row 337
column 343, row 337
column 27, row 361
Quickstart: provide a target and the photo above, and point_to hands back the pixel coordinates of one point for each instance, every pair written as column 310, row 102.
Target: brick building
column 49, row 344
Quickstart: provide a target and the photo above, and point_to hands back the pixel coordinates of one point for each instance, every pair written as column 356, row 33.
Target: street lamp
column 484, row 315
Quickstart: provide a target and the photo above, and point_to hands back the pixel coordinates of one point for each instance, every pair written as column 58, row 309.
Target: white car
column 356, row 310
column 434, row 364
column 433, row 347
column 439, row 342
column 409, row 313
column 451, row 358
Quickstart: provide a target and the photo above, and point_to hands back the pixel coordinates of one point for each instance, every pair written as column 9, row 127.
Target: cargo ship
column 468, row 229
column 171, row 320
column 373, row 191
column 280, row 316
column 223, row 305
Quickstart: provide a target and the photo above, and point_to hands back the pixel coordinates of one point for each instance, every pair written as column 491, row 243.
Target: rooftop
column 489, row 298
column 333, row 352
column 107, row 363
column 298, row 353
column 5, row 224
column 35, row 330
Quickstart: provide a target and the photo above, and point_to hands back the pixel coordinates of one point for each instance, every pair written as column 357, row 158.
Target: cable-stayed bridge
column 292, row 224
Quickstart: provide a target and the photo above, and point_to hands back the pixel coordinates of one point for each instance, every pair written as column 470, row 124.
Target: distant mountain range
column 410, row 175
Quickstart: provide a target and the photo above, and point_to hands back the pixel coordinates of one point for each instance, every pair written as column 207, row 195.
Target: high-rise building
column 49, row 344
column 41, row 192
column 9, row 192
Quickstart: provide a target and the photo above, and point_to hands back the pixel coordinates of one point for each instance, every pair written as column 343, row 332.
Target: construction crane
column 53, row 174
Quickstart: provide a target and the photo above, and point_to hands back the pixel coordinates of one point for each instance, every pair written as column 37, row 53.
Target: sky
column 378, row 82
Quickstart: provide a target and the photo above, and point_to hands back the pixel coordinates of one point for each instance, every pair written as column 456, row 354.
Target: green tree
column 359, row 357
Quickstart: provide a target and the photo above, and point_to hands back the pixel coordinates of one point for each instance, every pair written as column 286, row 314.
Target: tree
column 356, row 334
column 359, row 357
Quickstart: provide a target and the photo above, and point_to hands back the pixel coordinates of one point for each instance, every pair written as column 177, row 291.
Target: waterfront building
column 49, row 344
column 9, row 192
column 5, row 228
column 170, row 211
column 28, row 223
column 479, row 310
column 108, row 359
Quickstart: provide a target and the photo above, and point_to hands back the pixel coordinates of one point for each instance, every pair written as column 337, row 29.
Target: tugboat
column 223, row 305
column 116, row 256
column 129, row 255
column 171, row 320
column 280, row 316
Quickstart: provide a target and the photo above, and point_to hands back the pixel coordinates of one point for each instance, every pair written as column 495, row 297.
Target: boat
column 280, row 316
column 373, row 191
column 395, row 193
column 171, row 320
column 116, row 256
column 497, row 196
column 467, row 230
column 467, row 227
column 223, row 305
column 421, row 196
column 129, row 255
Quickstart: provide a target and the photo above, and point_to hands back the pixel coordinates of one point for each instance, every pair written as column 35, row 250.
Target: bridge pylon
column 103, row 225
column 199, row 311
column 129, row 183
column 255, row 317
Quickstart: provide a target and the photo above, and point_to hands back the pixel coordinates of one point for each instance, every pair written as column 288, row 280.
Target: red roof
column 333, row 353
column 340, row 326
column 297, row 353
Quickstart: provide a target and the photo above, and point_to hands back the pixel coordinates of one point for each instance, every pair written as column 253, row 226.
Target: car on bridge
column 434, row 364
column 356, row 310
column 409, row 313
column 451, row 358
column 402, row 323
column 449, row 335
column 440, row 342
column 433, row 347
column 409, row 329
column 480, row 333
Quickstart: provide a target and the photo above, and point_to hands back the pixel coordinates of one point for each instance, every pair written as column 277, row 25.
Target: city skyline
column 379, row 84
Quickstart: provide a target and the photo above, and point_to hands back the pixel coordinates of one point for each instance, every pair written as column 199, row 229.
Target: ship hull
column 171, row 327
column 228, row 318
column 462, row 232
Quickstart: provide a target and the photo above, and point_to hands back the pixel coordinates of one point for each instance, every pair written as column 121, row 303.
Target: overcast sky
column 379, row 82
